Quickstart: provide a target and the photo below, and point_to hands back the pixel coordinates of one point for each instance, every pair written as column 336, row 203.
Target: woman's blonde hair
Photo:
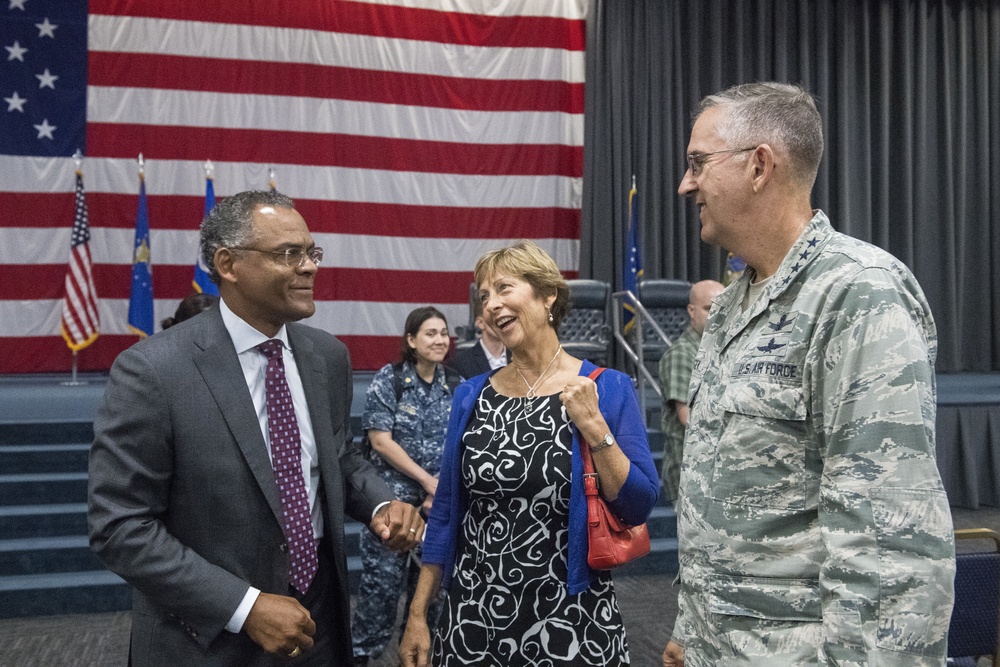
column 528, row 262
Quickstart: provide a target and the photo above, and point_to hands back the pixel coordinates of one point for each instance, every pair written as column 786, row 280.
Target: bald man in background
column 675, row 376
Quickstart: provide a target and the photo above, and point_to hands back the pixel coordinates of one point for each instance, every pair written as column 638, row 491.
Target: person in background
column 223, row 466
column 407, row 437
column 190, row 306
column 508, row 531
column 675, row 377
column 813, row 525
column 488, row 353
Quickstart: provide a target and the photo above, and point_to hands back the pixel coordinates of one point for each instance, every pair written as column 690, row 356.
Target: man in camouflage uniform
column 675, row 378
column 813, row 524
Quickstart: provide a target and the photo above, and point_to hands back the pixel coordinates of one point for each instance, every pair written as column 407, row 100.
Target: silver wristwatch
column 606, row 442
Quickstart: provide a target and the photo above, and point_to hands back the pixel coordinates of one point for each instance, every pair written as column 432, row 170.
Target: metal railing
column 640, row 317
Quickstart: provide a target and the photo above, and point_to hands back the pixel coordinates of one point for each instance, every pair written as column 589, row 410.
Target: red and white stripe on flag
column 414, row 135
column 81, row 323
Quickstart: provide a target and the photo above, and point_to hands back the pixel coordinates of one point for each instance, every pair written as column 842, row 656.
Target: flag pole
column 201, row 281
column 74, row 381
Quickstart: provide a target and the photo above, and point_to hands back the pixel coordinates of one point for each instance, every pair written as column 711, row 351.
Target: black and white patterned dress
column 509, row 604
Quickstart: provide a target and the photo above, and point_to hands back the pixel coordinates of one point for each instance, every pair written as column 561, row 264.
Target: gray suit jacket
column 183, row 501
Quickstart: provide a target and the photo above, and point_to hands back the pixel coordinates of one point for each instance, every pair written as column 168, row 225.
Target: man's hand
column 399, row 525
column 280, row 624
column 673, row 655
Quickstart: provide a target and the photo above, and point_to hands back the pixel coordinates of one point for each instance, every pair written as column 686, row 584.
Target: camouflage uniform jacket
column 813, row 523
column 417, row 423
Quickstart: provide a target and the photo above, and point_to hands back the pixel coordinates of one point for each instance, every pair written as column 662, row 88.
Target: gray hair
column 779, row 114
column 230, row 223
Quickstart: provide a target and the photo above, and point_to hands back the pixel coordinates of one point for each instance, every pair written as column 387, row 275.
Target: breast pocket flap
column 764, row 399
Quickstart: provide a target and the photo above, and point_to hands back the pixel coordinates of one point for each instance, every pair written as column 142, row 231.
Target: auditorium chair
column 973, row 629
column 666, row 302
column 586, row 329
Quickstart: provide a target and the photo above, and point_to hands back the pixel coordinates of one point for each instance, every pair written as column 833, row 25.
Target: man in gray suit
column 222, row 465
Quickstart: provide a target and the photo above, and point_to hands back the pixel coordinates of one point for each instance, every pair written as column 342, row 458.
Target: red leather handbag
column 610, row 542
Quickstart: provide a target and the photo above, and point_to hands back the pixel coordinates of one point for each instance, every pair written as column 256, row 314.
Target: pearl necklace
column 531, row 387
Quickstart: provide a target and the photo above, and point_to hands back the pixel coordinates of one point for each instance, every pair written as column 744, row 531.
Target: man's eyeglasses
column 294, row 257
column 696, row 161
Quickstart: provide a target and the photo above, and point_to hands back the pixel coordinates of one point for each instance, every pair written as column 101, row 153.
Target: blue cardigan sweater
column 633, row 504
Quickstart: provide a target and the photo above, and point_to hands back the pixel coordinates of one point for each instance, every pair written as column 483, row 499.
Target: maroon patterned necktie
column 286, row 457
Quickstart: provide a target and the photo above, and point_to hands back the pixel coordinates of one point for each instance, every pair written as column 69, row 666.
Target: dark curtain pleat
column 968, row 454
column 910, row 96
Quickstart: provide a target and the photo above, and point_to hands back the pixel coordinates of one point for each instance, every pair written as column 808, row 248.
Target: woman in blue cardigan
column 507, row 536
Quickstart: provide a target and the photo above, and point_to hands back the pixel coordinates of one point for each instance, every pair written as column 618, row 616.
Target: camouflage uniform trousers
column 385, row 575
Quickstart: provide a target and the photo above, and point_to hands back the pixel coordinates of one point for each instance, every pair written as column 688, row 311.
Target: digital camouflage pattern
column 813, row 524
column 675, row 379
column 418, row 424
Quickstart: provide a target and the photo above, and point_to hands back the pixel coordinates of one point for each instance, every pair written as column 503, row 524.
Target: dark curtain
column 910, row 96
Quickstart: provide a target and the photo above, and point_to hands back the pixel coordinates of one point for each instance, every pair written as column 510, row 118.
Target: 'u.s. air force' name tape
column 768, row 368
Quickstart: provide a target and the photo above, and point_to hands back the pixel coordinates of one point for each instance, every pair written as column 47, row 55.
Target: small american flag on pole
column 81, row 323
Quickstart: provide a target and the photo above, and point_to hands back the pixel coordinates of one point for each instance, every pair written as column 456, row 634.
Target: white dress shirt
column 495, row 362
column 254, row 364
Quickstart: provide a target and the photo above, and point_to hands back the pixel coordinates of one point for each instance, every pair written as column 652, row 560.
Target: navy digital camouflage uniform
column 418, row 424
column 813, row 523
column 675, row 379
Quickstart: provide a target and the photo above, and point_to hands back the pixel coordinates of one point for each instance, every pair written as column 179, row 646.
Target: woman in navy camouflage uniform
column 407, row 438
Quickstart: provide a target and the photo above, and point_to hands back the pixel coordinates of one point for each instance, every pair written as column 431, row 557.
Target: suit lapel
column 312, row 372
column 220, row 368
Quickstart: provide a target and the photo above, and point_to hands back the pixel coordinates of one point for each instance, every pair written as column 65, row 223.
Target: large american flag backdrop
column 413, row 134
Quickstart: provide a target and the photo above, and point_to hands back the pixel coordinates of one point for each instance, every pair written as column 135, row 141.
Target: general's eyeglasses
column 294, row 257
column 697, row 160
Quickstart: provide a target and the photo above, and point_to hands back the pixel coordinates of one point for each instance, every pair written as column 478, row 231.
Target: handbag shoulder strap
column 589, row 475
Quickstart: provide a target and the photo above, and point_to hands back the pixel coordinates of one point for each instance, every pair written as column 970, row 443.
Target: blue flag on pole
column 202, row 279
column 140, row 303
column 633, row 260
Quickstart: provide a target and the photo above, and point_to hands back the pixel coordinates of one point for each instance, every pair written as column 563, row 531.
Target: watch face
column 609, row 439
